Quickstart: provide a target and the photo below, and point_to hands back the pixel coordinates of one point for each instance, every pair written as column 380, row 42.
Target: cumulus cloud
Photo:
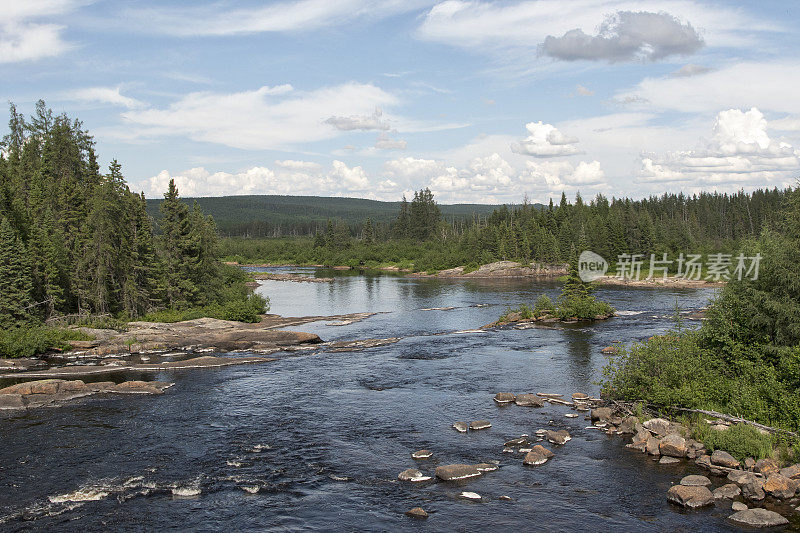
column 545, row 140
column 372, row 121
column 104, row 95
column 564, row 176
column 689, row 70
column 267, row 118
column 351, row 179
column 23, row 34
column 740, row 151
column 626, row 36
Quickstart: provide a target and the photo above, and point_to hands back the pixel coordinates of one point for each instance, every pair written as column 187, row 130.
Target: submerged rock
column 528, row 400
column 691, row 497
column 666, row 460
column 413, row 475
column 417, row 512
column 514, row 443
column 422, row 454
column 486, row 467
column 457, row 472
column 470, row 495
column 461, row 427
column 558, row 437
column 758, row 518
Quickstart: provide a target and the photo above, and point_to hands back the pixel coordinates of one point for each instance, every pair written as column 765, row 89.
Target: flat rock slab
column 666, row 460
column 461, row 427
column 479, row 424
column 504, row 397
column 53, row 392
column 758, row 518
column 457, row 472
column 422, row 454
column 723, row 458
column 690, row 497
column 528, row 400
column 727, row 491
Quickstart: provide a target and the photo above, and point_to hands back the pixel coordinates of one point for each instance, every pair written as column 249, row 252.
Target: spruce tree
column 15, row 278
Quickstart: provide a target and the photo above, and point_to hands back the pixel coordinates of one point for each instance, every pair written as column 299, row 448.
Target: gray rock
column 691, row 497
column 628, row 426
column 461, row 427
column 11, row 401
column 723, row 458
column 766, row 467
column 752, row 487
column 515, row 443
column 412, row 474
column 673, row 445
column 601, row 414
column 792, row 472
column 695, row 481
column 504, row 397
column 422, row 454
column 658, row 426
column 666, row 460
column 457, row 472
column 558, row 437
column 758, row 518
column 738, row 506
column 737, row 476
column 652, row 445
column 780, row 487
column 534, row 458
column 479, row 424
column 727, row 491
column 529, row 400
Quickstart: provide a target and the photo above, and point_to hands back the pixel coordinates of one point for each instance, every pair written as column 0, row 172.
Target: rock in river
column 673, row 445
column 695, row 481
column 558, row 437
column 417, row 512
column 738, row 506
column 479, row 424
column 758, row 518
column 422, row 454
column 457, row 472
column 412, row 474
column 727, row 491
column 528, row 400
column 666, row 460
column 691, row 497
column 504, row 397
column 461, row 427
column 601, row 414
column 538, row 455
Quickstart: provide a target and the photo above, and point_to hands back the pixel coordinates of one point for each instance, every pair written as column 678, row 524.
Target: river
column 316, row 439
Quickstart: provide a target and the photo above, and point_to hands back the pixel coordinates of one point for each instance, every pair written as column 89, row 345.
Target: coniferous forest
column 76, row 242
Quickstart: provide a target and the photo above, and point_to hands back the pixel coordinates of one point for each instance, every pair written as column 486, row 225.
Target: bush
column 584, row 308
column 33, row 340
column 240, row 310
column 741, row 440
column 544, row 305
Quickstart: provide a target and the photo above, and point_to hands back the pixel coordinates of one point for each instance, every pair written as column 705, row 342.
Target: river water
column 316, row 439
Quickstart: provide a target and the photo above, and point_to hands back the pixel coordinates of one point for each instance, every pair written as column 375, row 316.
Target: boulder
column 695, row 481
column 486, row 467
column 792, row 472
column 558, row 437
column 601, row 414
column 691, row 497
column 780, row 487
column 580, row 396
column 658, row 426
column 542, row 450
column 737, row 476
column 758, row 518
column 673, row 445
column 666, row 460
column 456, row 472
column 766, row 467
column 417, row 512
column 628, row 425
column 533, row 458
column 752, row 487
column 504, row 397
column 479, row 424
column 749, row 463
column 421, row 454
column 412, row 474
column 704, row 461
column 515, row 443
column 461, row 427
column 738, row 506
column 652, row 445
column 529, row 400
column 470, row 495
column 723, row 458
column 727, row 491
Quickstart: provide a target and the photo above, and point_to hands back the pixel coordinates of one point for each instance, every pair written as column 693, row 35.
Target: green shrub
column 740, row 440
column 544, row 305
column 585, row 308
column 30, row 341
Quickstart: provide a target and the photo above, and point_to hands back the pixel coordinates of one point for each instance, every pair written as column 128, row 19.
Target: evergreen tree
column 15, row 278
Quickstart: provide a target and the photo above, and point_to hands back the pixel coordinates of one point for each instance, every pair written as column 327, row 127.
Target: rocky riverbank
column 759, row 494
column 54, row 392
column 522, row 322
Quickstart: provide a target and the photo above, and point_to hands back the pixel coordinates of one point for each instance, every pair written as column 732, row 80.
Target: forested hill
column 273, row 215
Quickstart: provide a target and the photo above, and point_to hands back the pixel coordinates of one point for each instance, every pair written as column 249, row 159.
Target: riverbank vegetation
column 745, row 358
column 78, row 242
column 420, row 238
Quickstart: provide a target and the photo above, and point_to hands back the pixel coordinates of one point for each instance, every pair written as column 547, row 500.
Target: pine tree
column 15, row 278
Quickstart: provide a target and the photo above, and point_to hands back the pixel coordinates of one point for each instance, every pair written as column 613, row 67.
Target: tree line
column 75, row 240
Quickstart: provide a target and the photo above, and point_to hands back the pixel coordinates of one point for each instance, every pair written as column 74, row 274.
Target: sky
column 481, row 101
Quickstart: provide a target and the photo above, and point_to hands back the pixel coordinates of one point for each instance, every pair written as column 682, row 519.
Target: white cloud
column 359, row 122
column 299, row 166
column 351, row 179
column 267, row 118
column 690, row 70
column 493, row 26
column 23, row 37
column 626, row 36
column 104, row 95
column 545, row 140
column 740, row 152
column 766, row 85
column 384, row 142
column 287, row 16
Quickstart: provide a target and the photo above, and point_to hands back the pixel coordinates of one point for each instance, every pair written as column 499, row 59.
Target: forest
column 419, row 238
column 76, row 243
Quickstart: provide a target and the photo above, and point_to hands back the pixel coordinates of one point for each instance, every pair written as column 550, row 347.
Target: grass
column 30, row 341
column 740, row 440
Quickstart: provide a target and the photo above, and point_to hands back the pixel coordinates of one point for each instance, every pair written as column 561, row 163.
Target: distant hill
column 273, row 215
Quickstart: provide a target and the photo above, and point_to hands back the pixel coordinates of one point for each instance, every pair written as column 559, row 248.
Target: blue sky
column 480, row 101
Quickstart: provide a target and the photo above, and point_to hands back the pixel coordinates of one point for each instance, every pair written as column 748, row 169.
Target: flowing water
column 316, row 439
